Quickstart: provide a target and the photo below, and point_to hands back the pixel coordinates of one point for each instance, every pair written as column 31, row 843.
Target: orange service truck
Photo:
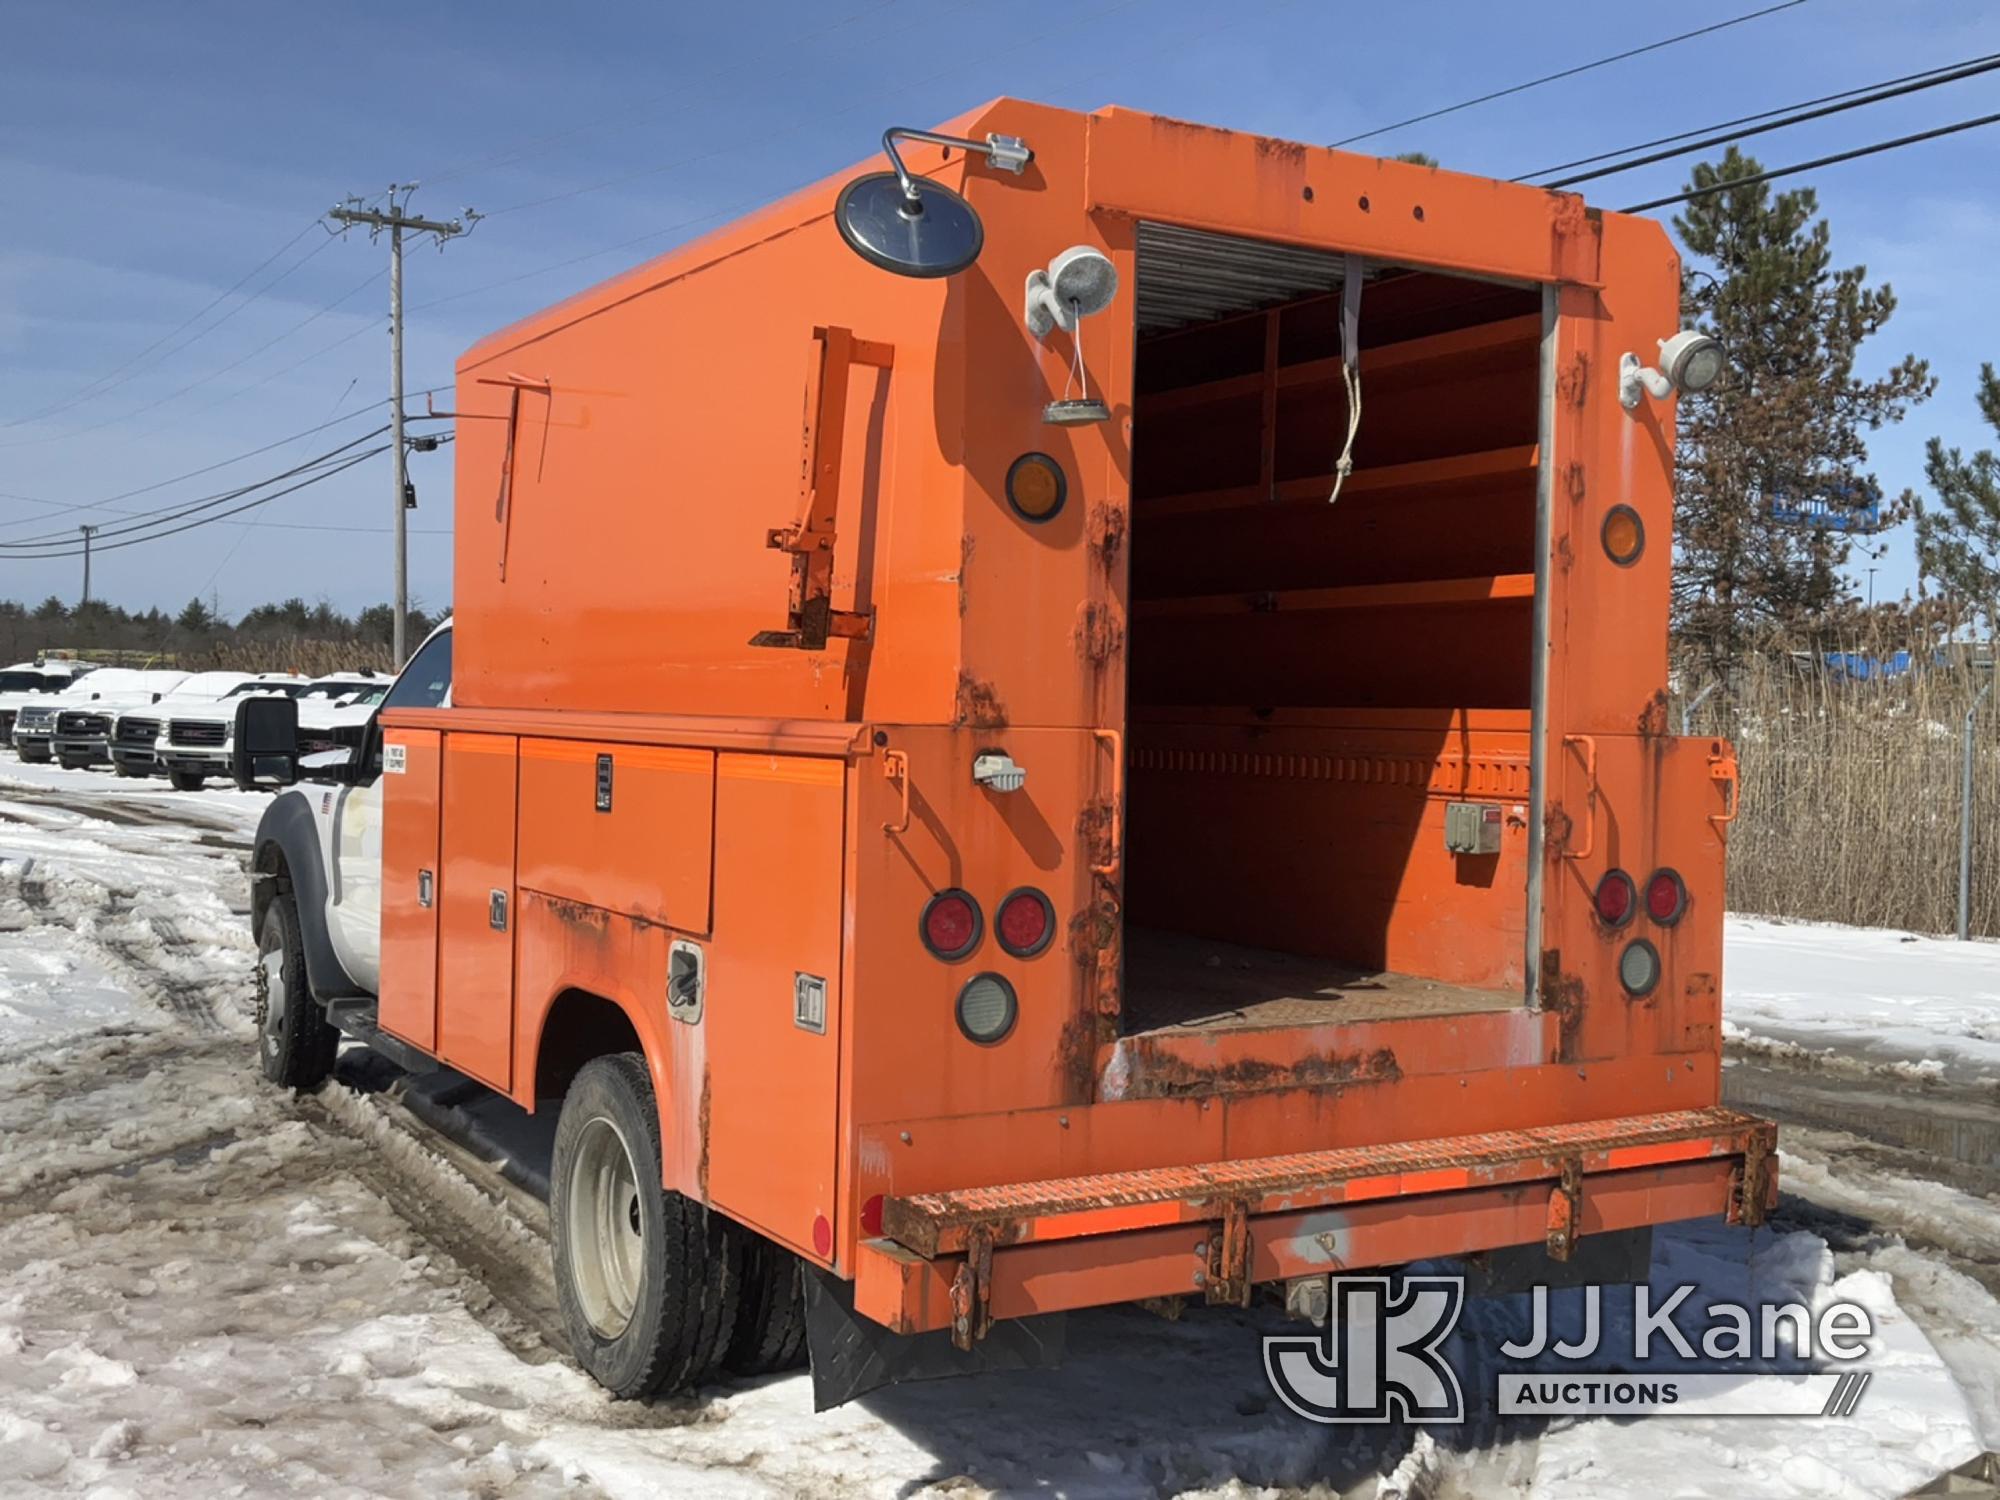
column 1079, row 718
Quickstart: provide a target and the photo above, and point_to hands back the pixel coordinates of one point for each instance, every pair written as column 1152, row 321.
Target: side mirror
column 911, row 225
column 266, row 752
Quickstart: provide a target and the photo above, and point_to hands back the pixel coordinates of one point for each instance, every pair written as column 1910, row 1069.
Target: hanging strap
column 1350, row 366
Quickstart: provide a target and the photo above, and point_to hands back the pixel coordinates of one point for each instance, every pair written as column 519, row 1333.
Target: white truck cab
column 316, row 900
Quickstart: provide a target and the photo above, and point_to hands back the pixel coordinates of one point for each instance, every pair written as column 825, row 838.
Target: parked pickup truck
column 191, row 729
column 74, row 726
column 29, row 682
column 141, row 733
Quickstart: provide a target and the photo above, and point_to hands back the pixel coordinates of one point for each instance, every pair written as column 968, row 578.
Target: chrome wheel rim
column 607, row 1234
column 271, row 981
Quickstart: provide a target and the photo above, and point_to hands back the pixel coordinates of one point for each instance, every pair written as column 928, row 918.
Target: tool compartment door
column 409, row 886
column 772, row 1012
column 476, row 907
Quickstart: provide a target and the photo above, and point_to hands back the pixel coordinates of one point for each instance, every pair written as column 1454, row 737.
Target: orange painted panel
column 476, row 968
column 772, row 1082
column 408, row 983
column 646, row 854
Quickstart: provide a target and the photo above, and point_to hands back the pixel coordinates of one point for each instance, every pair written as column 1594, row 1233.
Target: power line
column 303, row 483
column 1803, row 113
column 116, row 375
column 1764, row 114
column 109, row 501
column 1535, row 83
column 1808, row 166
column 174, row 395
column 139, row 520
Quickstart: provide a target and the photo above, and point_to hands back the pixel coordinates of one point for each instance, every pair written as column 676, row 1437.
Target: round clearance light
column 951, row 925
column 1666, row 897
column 987, row 1009
column 1025, row 922
column 1624, row 535
column 1639, row 968
column 1036, row 487
column 1615, row 899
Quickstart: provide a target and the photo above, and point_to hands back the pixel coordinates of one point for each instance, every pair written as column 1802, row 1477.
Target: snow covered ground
column 209, row 1288
column 1865, row 992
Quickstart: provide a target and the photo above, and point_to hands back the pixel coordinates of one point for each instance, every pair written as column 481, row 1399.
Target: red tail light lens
column 1026, row 922
column 951, row 925
column 1616, row 898
column 1666, row 897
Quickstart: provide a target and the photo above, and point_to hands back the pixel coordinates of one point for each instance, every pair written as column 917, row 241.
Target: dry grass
column 1851, row 795
column 307, row 658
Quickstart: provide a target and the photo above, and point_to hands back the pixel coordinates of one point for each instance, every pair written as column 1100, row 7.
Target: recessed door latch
column 496, row 910
column 426, row 885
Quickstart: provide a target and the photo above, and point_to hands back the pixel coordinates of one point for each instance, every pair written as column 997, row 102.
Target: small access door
column 409, row 813
column 475, row 1028
column 771, row 1017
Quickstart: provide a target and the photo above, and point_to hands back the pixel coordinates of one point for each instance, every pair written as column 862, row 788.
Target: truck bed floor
column 1174, row 981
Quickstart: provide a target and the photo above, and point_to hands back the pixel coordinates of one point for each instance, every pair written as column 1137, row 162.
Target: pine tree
column 196, row 619
column 1958, row 542
column 1786, row 425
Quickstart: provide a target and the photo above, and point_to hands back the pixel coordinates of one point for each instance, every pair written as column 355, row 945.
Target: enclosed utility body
column 1045, row 864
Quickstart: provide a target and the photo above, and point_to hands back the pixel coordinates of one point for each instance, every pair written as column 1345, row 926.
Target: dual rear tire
column 658, row 1293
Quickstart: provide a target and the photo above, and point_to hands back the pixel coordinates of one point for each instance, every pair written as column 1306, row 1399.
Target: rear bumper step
column 959, row 1259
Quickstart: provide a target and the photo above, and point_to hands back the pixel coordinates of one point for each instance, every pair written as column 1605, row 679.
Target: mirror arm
column 1008, row 152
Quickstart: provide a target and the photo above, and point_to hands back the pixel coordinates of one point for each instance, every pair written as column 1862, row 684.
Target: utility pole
column 88, row 532
column 396, row 218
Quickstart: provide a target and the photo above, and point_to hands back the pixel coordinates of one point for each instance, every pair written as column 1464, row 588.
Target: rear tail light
column 987, row 1009
column 1624, row 535
column 1616, row 898
column 951, row 926
column 1025, row 922
column 1639, row 968
column 1666, row 897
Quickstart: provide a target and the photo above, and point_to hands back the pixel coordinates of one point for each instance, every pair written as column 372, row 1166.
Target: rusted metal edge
column 1064, row 1208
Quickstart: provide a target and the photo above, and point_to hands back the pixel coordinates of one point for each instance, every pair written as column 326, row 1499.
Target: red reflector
column 871, row 1215
column 951, row 925
column 1615, row 898
column 1025, row 922
column 822, row 1236
column 1665, row 895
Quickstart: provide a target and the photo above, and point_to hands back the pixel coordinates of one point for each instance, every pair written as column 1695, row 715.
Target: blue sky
column 151, row 155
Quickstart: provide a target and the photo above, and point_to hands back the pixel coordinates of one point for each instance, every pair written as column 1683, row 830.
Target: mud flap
column 853, row 1355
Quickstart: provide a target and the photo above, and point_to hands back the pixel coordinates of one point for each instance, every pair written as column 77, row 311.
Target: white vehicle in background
column 136, row 734
column 29, row 682
column 74, row 726
column 334, row 712
column 192, row 731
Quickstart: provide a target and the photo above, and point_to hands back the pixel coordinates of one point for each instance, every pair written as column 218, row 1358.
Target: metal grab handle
column 896, row 766
column 1590, row 769
column 1722, row 770
column 1116, row 741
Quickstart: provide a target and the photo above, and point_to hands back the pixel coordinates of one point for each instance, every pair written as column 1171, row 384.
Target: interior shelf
column 1390, row 360
column 1488, row 590
column 1434, row 473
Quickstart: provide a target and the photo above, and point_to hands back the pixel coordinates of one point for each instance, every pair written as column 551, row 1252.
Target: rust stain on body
column 1162, row 1073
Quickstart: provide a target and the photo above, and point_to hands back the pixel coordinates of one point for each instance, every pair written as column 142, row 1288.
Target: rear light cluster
column 1617, row 901
column 951, row 929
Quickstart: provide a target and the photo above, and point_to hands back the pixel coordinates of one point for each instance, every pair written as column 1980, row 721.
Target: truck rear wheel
column 647, row 1279
column 295, row 1044
column 771, row 1312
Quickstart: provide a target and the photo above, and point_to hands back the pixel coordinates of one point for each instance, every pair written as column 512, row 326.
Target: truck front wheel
column 647, row 1279
column 295, row 1043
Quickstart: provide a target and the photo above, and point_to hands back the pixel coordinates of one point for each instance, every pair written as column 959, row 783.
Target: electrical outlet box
column 1472, row 827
